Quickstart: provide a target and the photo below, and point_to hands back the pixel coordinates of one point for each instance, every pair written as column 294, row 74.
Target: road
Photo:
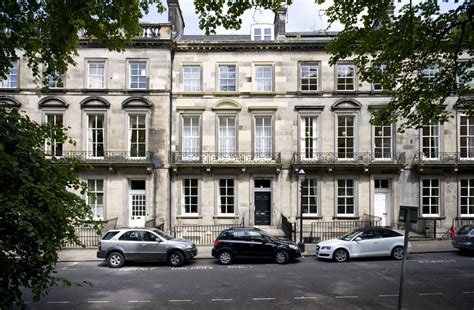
column 433, row 281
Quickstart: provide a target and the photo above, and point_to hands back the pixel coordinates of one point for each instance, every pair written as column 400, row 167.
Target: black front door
column 262, row 208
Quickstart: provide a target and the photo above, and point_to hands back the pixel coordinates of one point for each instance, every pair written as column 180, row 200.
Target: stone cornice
column 293, row 45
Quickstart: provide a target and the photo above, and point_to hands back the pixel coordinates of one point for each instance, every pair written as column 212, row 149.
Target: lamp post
column 301, row 177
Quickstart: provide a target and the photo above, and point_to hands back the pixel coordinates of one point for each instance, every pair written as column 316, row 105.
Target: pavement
column 204, row 252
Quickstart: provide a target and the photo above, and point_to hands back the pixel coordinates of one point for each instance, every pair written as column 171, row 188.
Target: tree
column 404, row 44
column 47, row 32
column 39, row 206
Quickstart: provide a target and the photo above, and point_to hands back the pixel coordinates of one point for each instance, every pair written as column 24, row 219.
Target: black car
column 252, row 242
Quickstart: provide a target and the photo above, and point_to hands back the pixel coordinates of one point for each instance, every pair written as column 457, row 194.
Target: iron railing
column 149, row 31
column 329, row 230
column 200, row 234
column 342, row 158
column 216, row 158
column 444, row 158
column 288, row 228
column 109, row 157
column 88, row 236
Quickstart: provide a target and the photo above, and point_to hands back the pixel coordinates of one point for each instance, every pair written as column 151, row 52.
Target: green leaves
column 38, row 212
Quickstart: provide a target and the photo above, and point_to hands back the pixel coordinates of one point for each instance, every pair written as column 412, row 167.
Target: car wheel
column 341, row 255
column 397, row 253
column 281, row 257
column 176, row 259
column 115, row 260
column 225, row 257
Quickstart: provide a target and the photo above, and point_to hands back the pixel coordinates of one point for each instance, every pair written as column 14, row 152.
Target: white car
column 363, row 242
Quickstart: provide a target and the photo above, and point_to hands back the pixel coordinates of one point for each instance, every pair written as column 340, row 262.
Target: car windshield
column 464, row 230
column 162, row 234
column 349, row 236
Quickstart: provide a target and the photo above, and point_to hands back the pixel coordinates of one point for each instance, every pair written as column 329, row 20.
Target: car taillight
column 217, row 242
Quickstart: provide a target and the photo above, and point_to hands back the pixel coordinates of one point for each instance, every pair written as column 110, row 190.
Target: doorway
column 382, row 201
column 263, row 201
column 137, row 203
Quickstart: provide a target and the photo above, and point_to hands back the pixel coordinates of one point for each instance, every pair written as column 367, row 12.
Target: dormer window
column 262, row 32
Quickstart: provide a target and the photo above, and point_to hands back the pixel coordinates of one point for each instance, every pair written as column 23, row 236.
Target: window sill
column 191, row 93
column 346, row 217
column 219, row 216
column 265, row 93
column 96, row 90
column 190, row 216
column 465, row 217
column 432, row 218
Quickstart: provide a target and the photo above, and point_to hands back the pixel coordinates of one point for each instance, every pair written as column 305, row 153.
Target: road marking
column 58, row 302
column 180, row 300
column 468, row 292
column 347, row 296
column 222, row 299
column 305, row 297
column 263, row 298
column 97, row 301
column 138, row 301
column 393, row 295
column 429, row 294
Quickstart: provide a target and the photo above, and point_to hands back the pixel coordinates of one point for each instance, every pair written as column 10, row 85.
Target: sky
column 302, row 15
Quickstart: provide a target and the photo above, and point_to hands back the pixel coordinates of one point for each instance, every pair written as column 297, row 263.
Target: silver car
column 464, row 238
column 144, row 244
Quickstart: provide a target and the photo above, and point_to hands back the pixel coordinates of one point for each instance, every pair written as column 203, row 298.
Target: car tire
column 340, row 255
column 397, row 253
column 282, row 257
column 115, row 260
column 225, row 257
column 176, row 259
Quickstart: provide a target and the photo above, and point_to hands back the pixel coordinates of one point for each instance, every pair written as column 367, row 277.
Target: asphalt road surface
column 433, row 281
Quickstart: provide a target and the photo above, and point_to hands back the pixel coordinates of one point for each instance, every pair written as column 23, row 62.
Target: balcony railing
column 444, row 158
column 348, row 158
column 150, row 31
column 109, row 157
column 213, row 158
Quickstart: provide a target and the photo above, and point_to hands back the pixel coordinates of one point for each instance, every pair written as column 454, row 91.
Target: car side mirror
column 358, row 239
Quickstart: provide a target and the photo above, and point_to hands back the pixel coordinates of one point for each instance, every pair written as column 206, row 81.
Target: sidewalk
column 204, row 252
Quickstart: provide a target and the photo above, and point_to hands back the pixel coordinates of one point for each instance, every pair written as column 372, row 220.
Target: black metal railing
column 149, row 31
column 288, row 228
column 216, row 158
column 328, row 230
column 201, row 234
column 88, row 236
column 444, row 158
column 109, row 157
column 348, row 158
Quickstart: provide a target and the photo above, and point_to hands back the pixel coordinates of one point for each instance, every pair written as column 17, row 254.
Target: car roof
column 243, row 228
column 373, row 228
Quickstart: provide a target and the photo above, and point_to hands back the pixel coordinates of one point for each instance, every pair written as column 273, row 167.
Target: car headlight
column 326, row 247
column 293, row 247
column 189, row 246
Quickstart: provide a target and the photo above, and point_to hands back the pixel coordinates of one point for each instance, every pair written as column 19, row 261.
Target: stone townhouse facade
column 208, row 130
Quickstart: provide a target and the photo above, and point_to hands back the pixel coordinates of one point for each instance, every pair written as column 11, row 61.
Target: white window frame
column 190, row 195
column 266, row 32
column 191, row 150
column 91, row 202
column 309, row 152
column 227, row 77
column 227, row 145
column 263, row 82
column 101, row 78
column 434, row 141
column 53, row 84
column 432, row 195
column 130, row 115
column 91, row 150
column 377, row 87
column 305, row 75
column 342, row 69
column 220, row 196
column 346, row 137
column 346, row 196
column 195, row 82
column 469, row 197
column 469, row 138
column 12, row 78
column 140, row 85
column 311, row 196
column 263, row 151
column 50, row 147
column 383, row 137
column 429, row 74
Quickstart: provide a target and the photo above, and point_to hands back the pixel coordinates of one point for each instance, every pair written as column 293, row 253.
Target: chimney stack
column 280, row 23
column 175, row 17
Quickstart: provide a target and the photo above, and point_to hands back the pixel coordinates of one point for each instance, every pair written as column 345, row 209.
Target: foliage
column 47, row 31
column 38, row 207
column 415, row 38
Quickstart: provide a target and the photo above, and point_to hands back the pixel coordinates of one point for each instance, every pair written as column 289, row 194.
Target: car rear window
column 109, row 235
column 390, row 233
